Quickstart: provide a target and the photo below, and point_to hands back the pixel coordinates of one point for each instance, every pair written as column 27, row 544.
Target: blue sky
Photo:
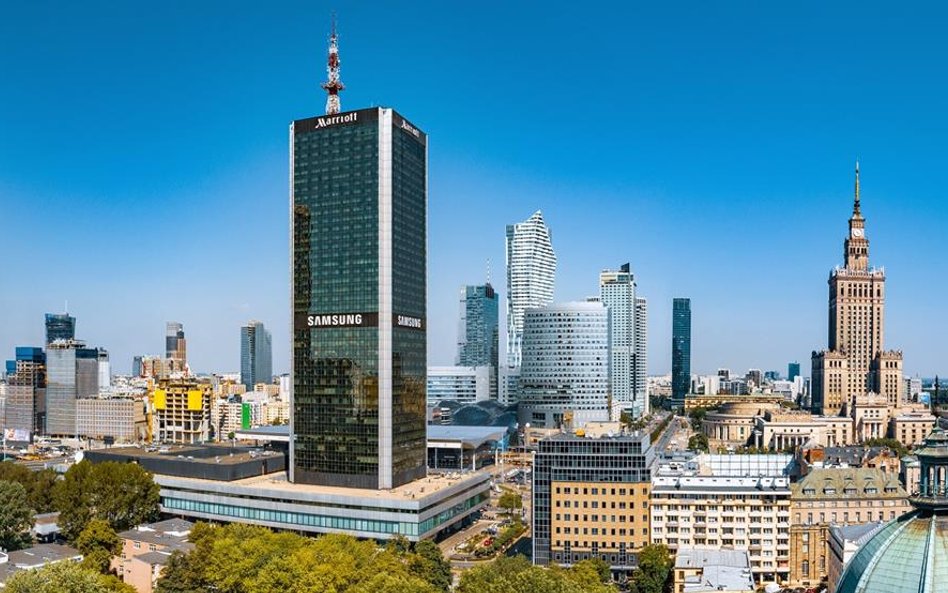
column 143, row 160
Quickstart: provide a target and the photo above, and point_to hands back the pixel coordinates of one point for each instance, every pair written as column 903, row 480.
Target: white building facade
column 531, row 271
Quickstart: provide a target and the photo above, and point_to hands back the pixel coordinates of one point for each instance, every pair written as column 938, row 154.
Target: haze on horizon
column 144, row 158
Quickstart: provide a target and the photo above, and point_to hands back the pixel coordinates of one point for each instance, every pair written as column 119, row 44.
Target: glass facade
column 478, row 334
column 681, row 350
column 256, row 357
column 60, row 326
column 359, row 299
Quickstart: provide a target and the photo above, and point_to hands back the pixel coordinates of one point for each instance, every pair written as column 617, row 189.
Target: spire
column 333, row 85
column 856, row 200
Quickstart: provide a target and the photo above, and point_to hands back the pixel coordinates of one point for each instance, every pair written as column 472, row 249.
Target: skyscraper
column 531, row 271
column 565, row 365
column 359, row 202
column 60, row 326
column 793, row 370
column 72, row 371
column 681, row 350
column 641, row 354
column 855, row 362
column 617, row 293
column 478, row 331
column 176, row 348
column 256, row 358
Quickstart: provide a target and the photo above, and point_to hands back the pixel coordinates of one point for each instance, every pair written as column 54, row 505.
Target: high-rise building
column 478, row 331
column 256, row 357
column 855, row 362
column 25, row 408
column 103, row 368
column 565, row 370
column 681, row 350
column 640, row 379
column 72, row 371
column 627, row 314
column 793, row 370
column 531, row 271
column 176, row 347
column 359, row 202
column 60, row 326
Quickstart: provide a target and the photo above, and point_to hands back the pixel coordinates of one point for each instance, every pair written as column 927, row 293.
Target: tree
column 893, row 444
column 654, row 568
column 98, row 543
column 517, row 575
column 38, row 485
column 699, row 442
column 428, row 564
column 509, row 501
column 16, row 517
column 123, row 494
column 64, row 577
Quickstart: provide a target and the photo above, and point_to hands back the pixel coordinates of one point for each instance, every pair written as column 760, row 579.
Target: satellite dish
column 78, row 455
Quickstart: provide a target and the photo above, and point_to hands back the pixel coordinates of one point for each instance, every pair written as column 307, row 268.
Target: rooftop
column 35, row 557
column 721, row 570
column 839, row 482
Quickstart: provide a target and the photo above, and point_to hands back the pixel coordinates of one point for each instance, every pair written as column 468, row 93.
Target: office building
column 359, row 203
column 464, row 385
column 60, row 326
column 617, row 291
column 531, row 271
column 591, row 498
column 565, row 370
column 478, row 331
column 793, row 370
column 176, row 346
column 256, row 358
column 836, row 496
column 111, row 420
column 856, row 362
column 681, row 350
column 25, row 404
column 103, row 369
column 72, row 372
column 736, row 502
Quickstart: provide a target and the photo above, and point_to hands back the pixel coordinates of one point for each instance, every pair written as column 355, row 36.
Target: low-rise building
column 34, row 557
column 712, row 571
column 844, row 542
column 911, row 428
column 146, row 550
column 591, row 499
column 732, row 502
column 465, row 385
column 116, row 420
column 836, row 496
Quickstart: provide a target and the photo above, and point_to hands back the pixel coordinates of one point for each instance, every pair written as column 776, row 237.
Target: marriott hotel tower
column 358, row 195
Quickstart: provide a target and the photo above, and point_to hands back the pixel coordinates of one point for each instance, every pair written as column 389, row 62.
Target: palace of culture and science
column 855, row 364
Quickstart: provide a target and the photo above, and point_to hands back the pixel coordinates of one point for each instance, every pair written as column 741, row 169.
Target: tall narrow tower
column 333, row 85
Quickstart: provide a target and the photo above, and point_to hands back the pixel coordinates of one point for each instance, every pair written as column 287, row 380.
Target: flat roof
column 721, row 570
column 469, row 436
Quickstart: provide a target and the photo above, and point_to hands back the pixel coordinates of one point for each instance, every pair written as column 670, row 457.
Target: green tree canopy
column 699, row 442
column 247, row 559
column 98, row 543
column 893, row 444
column 16, row 517
column 38, row 485
column 655, row 566
column 122, row 494
column 64, row 577
column 517, row 575
column 510, row 500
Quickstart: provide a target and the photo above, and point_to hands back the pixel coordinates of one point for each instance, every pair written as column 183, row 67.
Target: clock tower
column 855, row 363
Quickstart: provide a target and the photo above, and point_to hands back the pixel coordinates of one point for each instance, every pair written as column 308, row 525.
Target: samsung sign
column 307, row 321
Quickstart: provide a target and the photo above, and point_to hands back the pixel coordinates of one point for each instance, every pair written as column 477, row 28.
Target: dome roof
column 909, row 554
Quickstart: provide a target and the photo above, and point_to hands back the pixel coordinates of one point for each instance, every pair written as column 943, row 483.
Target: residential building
column 641, row 354
column 856, row 362
column 465, row 385
column 36, row 556
column 681, row 350
column 736, row 502
column 478, row 333
column 712, row 571
column 565, row 370
column 844, row 542
column 147, row 549
column 591, row 498
column 836, row 496
column 176, row 346
column 359, row 257
column 256, row 357
column 617, row 291
column 531, row 271
column 181, row 411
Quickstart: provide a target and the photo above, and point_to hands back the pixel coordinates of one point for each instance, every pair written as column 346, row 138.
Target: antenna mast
column 333, row 85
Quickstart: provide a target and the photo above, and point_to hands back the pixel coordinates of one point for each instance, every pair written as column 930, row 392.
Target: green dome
column 909, row 555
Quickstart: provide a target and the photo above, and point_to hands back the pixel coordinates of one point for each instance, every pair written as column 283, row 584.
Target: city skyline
column 750, row 232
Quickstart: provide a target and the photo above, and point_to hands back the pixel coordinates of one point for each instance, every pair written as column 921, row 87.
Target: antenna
column 333, row 85
column 488, row 270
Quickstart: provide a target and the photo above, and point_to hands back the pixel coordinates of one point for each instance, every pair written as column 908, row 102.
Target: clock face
column 857, row 232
